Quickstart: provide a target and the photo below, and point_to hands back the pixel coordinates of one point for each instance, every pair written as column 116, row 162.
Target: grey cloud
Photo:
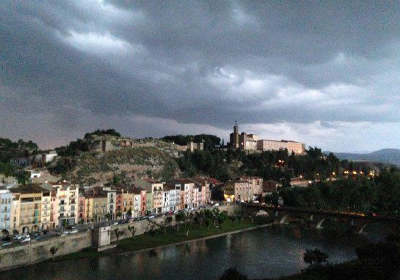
column 94, row 60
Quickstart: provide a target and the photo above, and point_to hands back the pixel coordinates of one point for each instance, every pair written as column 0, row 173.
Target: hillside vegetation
column 9, row 150
column 118, row 166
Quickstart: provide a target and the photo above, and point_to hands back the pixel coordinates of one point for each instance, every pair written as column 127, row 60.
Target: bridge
column 317, row 218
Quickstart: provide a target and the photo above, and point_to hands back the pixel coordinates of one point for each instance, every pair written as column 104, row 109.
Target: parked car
column 17, row 237
column 25, row 235
column 6, row 238
column 64, row 233
column 170, row 213
column 73, row 231
column 151, row 217
column 6, row 244
column 216, row 204
column 39, row 237
column 25, row 240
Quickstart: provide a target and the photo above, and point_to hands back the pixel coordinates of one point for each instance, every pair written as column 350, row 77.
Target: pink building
column 82, row 208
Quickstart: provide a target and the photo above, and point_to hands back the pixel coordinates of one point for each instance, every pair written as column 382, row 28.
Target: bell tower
column 234, row 137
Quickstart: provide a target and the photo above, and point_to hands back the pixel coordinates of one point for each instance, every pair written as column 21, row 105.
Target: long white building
column 251, row 142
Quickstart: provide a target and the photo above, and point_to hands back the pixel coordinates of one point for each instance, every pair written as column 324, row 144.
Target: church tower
column 234, row 137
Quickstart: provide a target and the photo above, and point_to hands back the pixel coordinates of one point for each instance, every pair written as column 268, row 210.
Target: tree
column 179, row 218
column 208, row 222
column 53, row 251
column 233, row 274
column 129, row 213
column 315, row 257
column 118, row 233
column 119, row 214
column 132, row 230
column 221, row 218
column 153, row 233
column 239, row 216
column 107, row 216
column 168, row 221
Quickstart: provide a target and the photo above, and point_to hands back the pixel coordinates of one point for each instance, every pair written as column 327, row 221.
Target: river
column 267, row 252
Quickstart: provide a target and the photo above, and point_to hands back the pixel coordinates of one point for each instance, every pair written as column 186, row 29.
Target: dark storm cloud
column 80, row 65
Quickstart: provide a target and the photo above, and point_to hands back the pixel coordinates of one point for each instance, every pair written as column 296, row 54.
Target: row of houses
column 38, row 207
column 47, row 206
column 57, row 205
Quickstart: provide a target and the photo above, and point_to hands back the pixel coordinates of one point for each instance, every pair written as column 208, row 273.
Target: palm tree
column 132, row 229
column 118, row 233
column 53, row 251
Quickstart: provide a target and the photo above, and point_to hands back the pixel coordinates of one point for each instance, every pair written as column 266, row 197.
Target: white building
column 251, row 142
column 274, row 145
column 111, row 202
column 35, row 174
column 64, row 203
column 49, row 157
column 255, row 184
column 171, row 197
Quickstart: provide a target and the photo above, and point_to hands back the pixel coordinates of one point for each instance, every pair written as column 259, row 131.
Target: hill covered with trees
column 10, row 149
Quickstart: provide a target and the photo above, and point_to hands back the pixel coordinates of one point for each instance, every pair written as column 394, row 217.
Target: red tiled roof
column 215, row 181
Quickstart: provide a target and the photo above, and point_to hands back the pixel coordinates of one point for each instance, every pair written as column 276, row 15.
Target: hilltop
column 102, row 157
column 391, row 156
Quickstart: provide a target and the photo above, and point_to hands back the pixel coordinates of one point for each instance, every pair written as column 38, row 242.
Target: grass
column 145, row 241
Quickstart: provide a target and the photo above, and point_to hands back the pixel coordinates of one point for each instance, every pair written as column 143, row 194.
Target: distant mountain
column 385, row 155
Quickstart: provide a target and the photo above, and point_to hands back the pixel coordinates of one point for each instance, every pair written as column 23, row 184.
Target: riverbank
column 171, row 237
column 269, row 252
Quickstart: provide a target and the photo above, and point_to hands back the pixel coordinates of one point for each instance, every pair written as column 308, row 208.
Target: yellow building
column 237, row 190
column 27, row 208
column 95, row 205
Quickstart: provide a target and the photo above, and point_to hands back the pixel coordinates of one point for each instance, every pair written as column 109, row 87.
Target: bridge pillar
column 319, row 224
column 361, row 229
column 283, row 219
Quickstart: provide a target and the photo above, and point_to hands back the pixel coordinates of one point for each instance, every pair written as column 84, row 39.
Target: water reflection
column 263, row 253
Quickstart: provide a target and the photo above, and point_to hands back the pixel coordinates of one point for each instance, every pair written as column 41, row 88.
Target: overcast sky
column 326, row 73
